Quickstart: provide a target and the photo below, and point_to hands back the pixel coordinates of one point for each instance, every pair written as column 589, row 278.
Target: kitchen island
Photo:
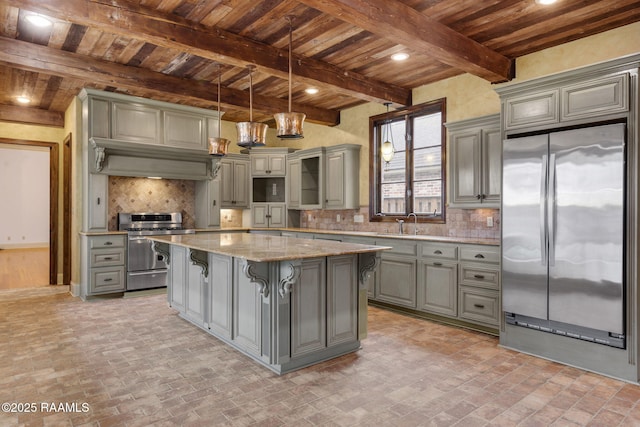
column 285, row 302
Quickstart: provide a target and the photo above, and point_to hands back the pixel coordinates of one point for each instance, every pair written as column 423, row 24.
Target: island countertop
column 264, row 248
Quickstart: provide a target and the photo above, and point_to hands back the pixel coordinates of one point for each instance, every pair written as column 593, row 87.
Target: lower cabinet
column 438, row 287
column 103, row 268
column 308, row 309
column 218, row 317
column 268, row 215
column 247, row 309
column 396, row 279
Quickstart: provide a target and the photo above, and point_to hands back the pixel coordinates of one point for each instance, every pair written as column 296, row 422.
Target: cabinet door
column 309, row 309
column 438, row 287
column 177, row 276
column 465, row 167
column 136, row 123
column 195, row 293
column 184, row 130
column 491, row 167
column 397, row 280
column 259, row 212
column 334, row 191
column 259, row 164
column 247, row 309
column 277, row 215
column 107, row 280
column 226, row 179
column 97, row 203
column 208, row 203
column 241, row 184
column 532, row 109
column 293, row 184
column 99, row 124
column 342, row 299
column 220, row 303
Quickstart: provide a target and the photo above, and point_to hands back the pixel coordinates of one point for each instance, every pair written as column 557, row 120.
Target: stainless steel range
column 145, row 268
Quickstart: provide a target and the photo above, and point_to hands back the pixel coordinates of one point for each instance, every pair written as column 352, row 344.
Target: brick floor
column 134, row 362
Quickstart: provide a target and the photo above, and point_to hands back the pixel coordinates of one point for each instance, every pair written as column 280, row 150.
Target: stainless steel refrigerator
column 563, row 233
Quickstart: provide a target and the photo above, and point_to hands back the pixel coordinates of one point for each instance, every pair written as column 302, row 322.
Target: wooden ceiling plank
column 213, row 43
column 395, row 21
column 10, row 113
column 34, row 58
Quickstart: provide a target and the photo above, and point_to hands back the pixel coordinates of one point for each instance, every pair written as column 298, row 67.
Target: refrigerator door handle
column 543, row 211
column 551, row 209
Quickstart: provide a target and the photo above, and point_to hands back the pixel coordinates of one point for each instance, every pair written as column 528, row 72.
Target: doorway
column 53, row 149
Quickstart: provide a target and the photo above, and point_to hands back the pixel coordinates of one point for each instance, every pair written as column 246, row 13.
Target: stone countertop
column 264, row 248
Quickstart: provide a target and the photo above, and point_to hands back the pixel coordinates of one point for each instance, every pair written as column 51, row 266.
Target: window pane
column 392, row 198
column 427, row 197
column 427, row 163
column 395, row 170
column 427, row 131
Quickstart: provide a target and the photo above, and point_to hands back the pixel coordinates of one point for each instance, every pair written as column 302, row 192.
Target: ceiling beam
column 42, row 59
column 128, row 19
column 404, row 25
column 36, row 116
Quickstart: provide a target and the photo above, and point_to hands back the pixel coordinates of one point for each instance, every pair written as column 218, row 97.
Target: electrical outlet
column 358, row 218
column 338, row 218
column 489, row 221
column 310, row 218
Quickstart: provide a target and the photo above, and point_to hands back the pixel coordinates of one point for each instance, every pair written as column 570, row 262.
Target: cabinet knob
column 478, row 196
column 437, row 252
column 479, row 256
column 98, row 201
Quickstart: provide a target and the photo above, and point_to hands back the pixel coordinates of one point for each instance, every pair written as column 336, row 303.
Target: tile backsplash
column 464, row 223
column 127, row 194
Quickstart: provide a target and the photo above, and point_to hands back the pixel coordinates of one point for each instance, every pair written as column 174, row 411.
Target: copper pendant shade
column 218, row 146
column 289, row 124
column 251, row 134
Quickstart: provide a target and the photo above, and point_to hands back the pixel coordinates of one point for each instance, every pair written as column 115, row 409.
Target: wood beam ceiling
column 11, row 113
column 404, row 25
column 127, row 18
column 31, row 57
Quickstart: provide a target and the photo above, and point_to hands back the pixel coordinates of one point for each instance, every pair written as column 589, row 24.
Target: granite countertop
column 264, row 248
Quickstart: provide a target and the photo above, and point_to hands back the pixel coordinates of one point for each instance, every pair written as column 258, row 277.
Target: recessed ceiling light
column 39, row 20
column 23, row 100
column 401, row 56
column 311, row 91
column 545, row 1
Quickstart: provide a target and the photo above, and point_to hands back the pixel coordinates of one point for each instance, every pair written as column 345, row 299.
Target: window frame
column 376, row 164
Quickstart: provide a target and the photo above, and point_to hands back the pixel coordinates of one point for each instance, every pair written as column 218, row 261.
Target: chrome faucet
column 400, row 222
column 415, row 223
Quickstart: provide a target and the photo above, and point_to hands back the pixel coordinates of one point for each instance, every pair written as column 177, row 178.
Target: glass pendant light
column 251, row 134
column 387, row 149
column 218, row 146
column 289, row 124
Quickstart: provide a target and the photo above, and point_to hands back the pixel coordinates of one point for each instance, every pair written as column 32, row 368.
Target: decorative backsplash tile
column 465, row 223
column 127, row 194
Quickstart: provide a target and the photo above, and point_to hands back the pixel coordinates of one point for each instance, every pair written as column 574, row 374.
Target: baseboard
column 32, row 245
column 74, row 289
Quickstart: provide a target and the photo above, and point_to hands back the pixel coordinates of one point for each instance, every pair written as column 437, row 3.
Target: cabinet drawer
column 480, row 253
column 596, row 97
column 398, row 247
column 107, row 257
column 480, row 305
column 107, row 279
column 478, row 275
column 537, row 109
column 438, row 251
column 111, row 241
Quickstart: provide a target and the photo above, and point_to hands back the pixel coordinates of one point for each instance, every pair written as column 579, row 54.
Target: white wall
column 24, row 196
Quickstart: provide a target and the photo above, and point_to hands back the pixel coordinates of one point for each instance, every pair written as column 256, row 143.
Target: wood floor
column 24, row 268
column 134, row 362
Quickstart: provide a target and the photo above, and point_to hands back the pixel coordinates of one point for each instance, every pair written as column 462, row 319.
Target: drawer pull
column 478, row 305
column 108, row 258
column 108, row 243
column 437, row 252
column 478, row 276
column 437, row 264
column 108, row 279
column 479, row 256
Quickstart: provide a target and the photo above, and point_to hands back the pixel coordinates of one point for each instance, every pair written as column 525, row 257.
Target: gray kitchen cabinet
column 396, row 282
column 103, row 265
column 437, row 279
column 185, row 130
column 309, row 308
column 293, row 187
column 541, row 108
column 475, row 162
column 269, row 161
column 196, row 280
column 591, row 98
column 208, row 203
column 247, row 309
column 96, row 202
column 219, row 318
column 99, row 113
column 234, row 176
column 342, row 169
column 479, row 284
column 370, row 283
column 342, row 301
column 177, row 273
column 135, row 122
column 268, row 215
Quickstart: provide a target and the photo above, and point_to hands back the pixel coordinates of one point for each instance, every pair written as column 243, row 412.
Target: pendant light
column 251, row 134
column 289, row 124
column 387, row 149
column 218, row 146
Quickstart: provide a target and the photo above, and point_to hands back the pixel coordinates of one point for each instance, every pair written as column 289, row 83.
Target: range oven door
column 145, row 268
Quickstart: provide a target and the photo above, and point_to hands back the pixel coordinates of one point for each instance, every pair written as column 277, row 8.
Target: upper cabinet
column 342, row 171
column 306, row 183
column 234, row 176
column 269, row 161
column 475, row 162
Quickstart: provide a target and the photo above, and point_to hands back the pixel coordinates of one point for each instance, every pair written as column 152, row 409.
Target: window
column 414, row 179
